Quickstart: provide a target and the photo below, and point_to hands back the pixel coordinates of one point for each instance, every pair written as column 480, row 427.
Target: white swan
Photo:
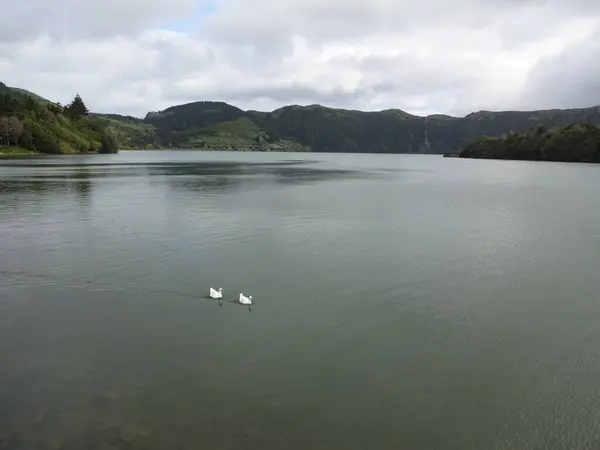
column 245, row 300
column 216, row 294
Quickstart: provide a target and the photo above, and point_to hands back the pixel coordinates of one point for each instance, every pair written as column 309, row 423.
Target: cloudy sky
column 432, row 56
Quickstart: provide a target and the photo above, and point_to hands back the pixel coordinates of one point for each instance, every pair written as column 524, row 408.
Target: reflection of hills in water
column 194, row 176
column 44, row 186
column 228, row 176
column 78, row 182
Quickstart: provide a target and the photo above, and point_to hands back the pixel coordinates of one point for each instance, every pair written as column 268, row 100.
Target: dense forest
column 574, row 143
column 29, row 123
column 32, row 122
column 317, row 128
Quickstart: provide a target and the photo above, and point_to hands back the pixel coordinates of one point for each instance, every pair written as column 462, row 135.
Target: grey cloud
column 176, row 58
column 386, row 82
column 296, row 93
column 415, row 75
column 260, row 33
column 248, row 94
column 274, row 21
column 74, row 19
column 568, row 80
column 574, row 7
column 245, row 53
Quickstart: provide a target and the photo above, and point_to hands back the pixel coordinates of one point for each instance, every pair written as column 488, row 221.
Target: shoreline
column 16, row 152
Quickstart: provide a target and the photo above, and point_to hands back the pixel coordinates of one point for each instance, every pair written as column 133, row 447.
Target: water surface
column 401, row 302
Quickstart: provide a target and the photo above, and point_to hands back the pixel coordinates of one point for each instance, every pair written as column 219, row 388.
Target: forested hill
column 220, row 126
column 30, row 123
column 322, row 129
column 574, row 143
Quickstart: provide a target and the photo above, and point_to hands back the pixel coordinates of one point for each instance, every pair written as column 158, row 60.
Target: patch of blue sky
column 194, row 21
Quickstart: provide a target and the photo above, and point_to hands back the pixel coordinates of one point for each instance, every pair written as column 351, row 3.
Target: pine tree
column 77, row 107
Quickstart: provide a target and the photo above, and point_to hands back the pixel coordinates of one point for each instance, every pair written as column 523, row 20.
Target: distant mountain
column 321, row 129
column 217, row 126
column 574, row 143
column 220, row 126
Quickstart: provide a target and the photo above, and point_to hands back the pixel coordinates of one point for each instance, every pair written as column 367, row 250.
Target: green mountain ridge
column 217, row 125
column 322, row 129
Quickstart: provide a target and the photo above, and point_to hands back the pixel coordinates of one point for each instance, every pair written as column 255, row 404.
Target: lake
column 400, row 301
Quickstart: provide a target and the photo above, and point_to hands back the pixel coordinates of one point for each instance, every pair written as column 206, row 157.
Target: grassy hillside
column 239, row 134
column 214, row 126
column 574, row 143
column 29, row 123
column 131, row 132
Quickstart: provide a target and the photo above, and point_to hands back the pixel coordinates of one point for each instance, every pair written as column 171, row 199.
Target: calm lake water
column 401, row 302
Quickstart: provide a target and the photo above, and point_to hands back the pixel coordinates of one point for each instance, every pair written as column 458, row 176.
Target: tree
column 55, row 108
column 4, row 101
column 9, row 105
column 4, row 131
column 11, row 129
column 16, row 129
column 26, row 140
column 44, row 113
column 44, row 140
column 84, row 147
column 31, row 104
column 77, row 107
column 108, row 143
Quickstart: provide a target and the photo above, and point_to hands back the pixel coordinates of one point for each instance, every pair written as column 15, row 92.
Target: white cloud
column 422, row 57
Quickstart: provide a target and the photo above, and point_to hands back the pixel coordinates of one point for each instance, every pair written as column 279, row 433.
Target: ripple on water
column 400, row 301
